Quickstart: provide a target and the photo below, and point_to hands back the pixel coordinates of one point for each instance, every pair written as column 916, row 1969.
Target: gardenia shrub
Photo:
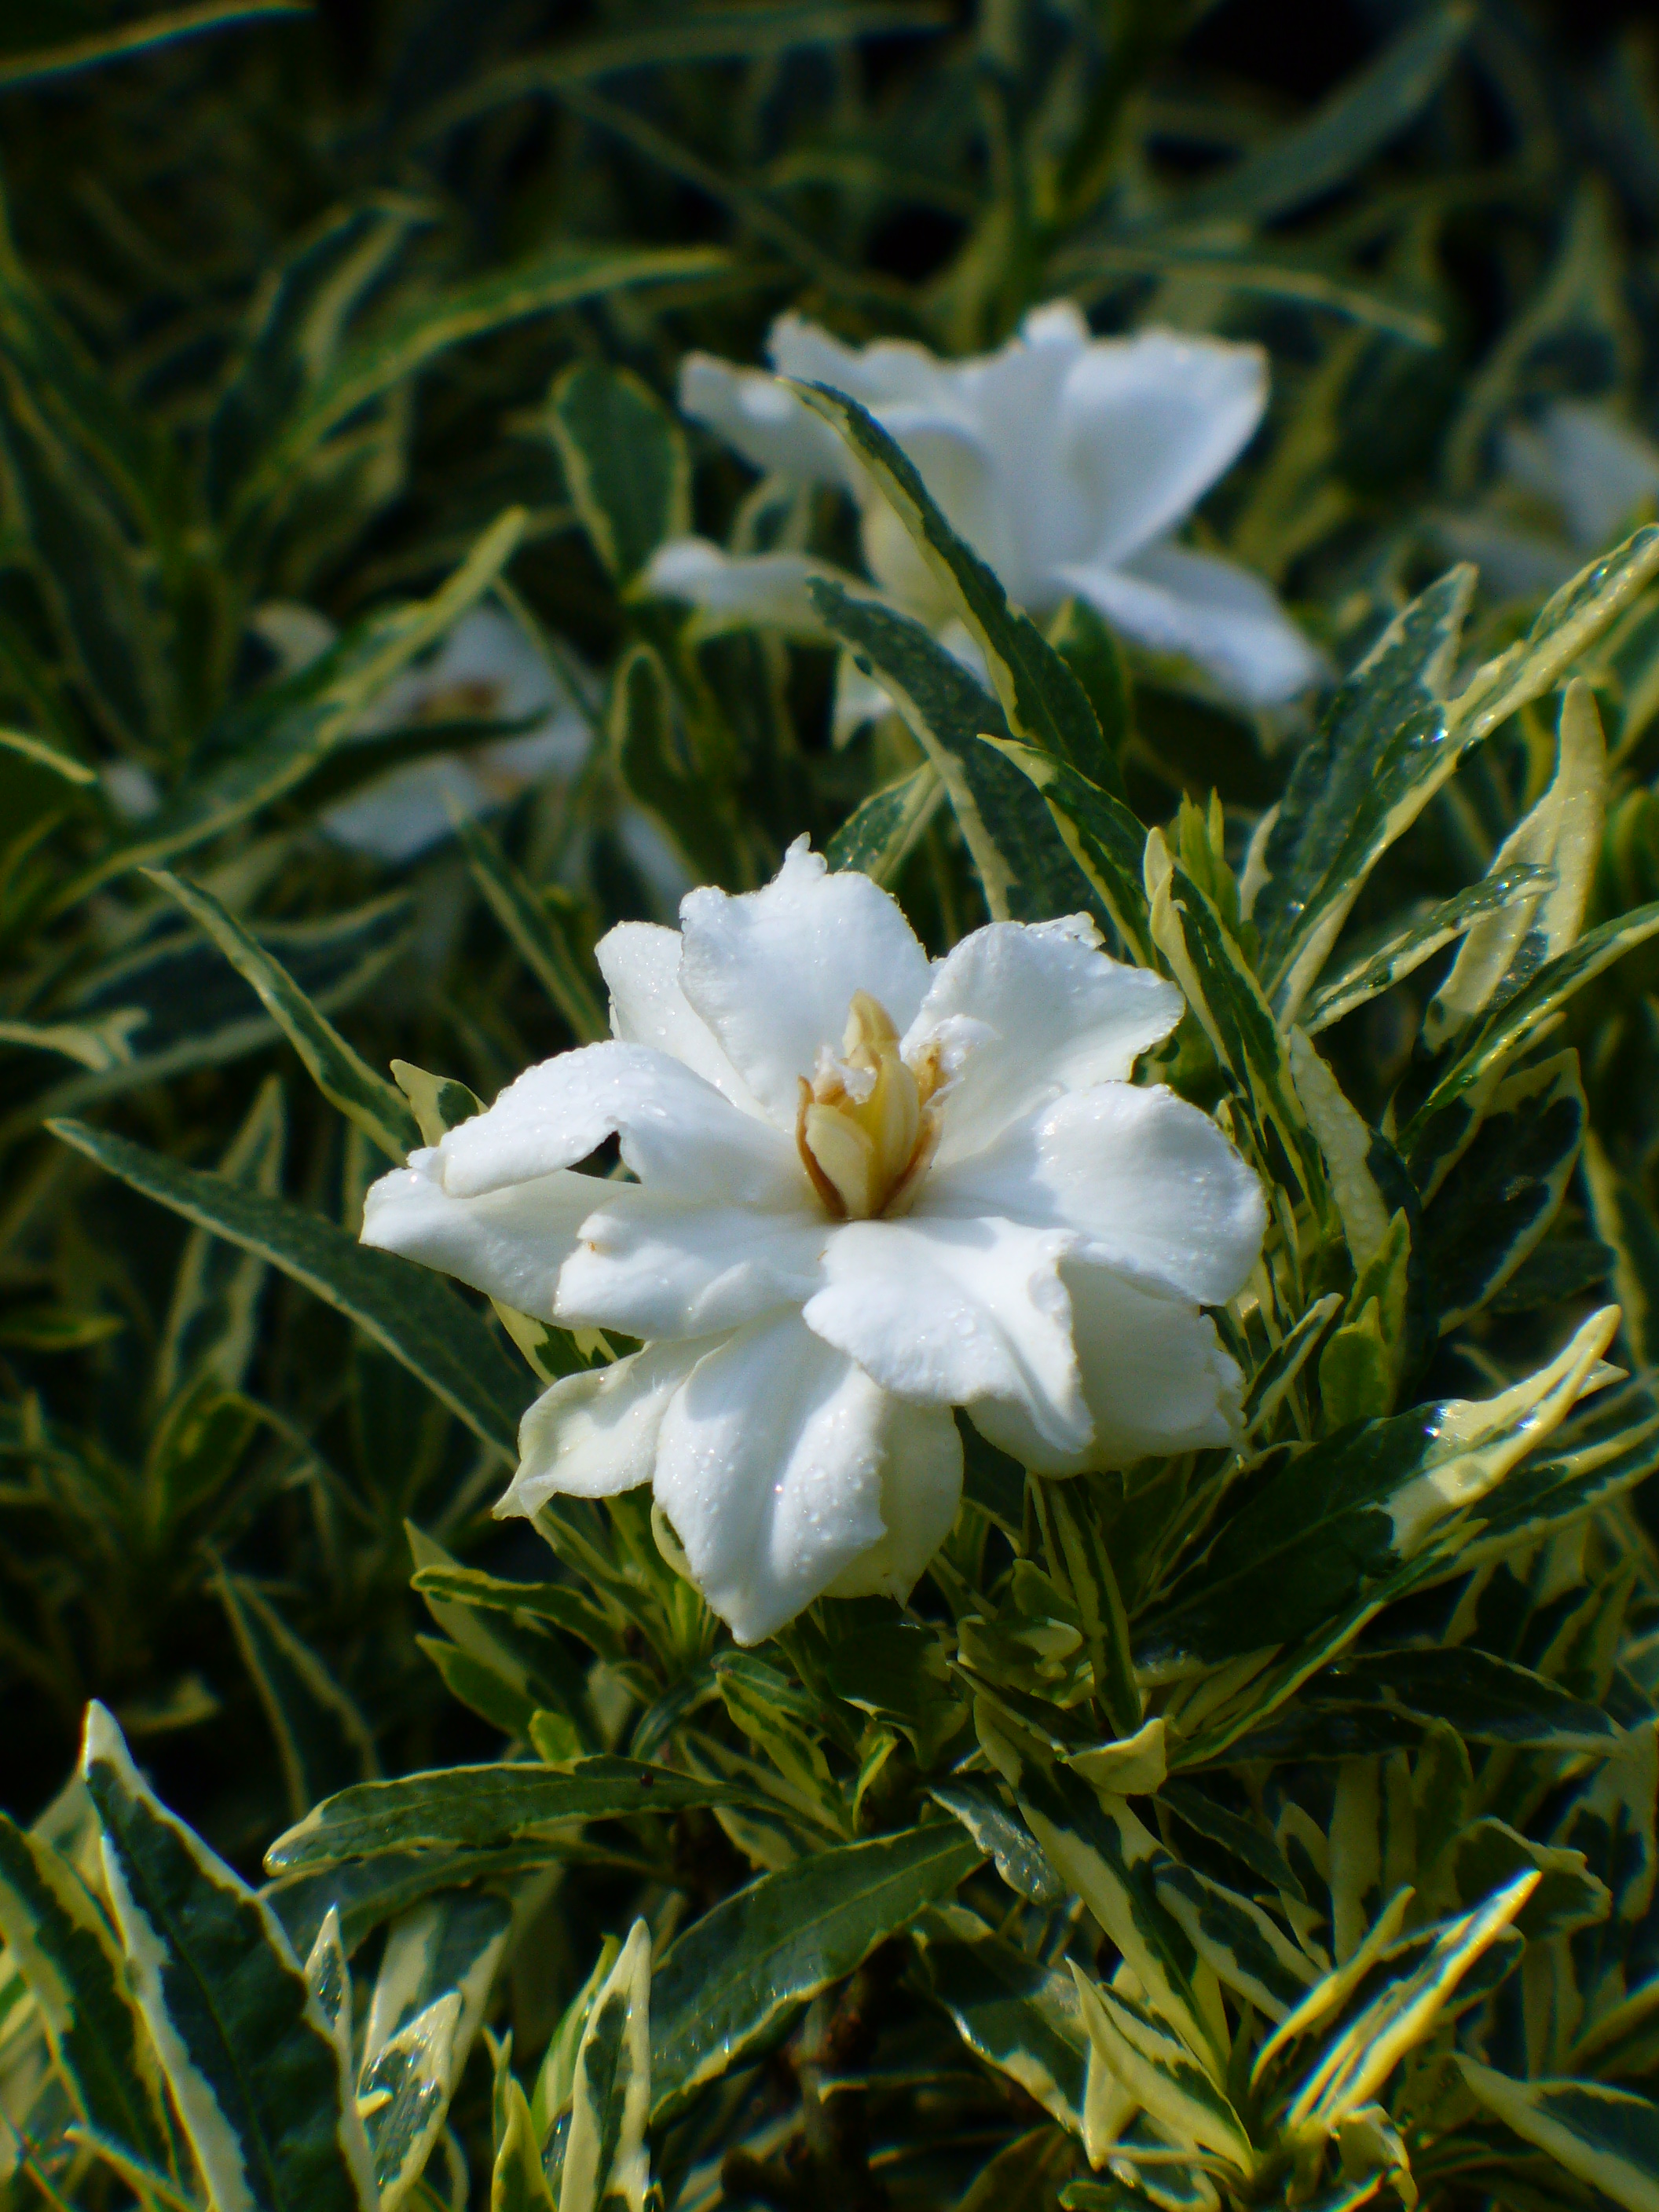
column 951, row 1145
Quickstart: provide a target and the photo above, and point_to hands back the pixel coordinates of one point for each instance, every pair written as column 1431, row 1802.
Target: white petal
column 675, row 1128
column 1155, row 1376
column 891, row 372
column 1147, row 424
column 1211, row 612
column 650, row 1267
column 1064, row 1014
column 773, row 972
column 954, row 461
column 736, row 592
column 640, row 961
column 401, row 813
column 1604, row 469
column 510, row 1243
column 949, row 1312
column 1140, row 1179
column 770, row 1466
column 763, row 420
column 921, row 1490
column 593, row 1435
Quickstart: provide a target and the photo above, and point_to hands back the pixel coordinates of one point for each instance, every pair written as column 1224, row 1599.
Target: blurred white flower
column 868, row 1188
column 486, row 670
column 1572, row 484
column 1068, row 462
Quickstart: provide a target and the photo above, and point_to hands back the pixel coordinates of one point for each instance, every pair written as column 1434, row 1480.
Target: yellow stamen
column 866, row 1154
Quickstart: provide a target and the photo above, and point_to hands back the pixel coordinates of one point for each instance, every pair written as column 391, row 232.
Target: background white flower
column 1573, row 482
column 869, row 1188
column 1068, row 462
column 486, row 670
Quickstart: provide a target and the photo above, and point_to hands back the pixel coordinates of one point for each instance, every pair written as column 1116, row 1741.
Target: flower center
column 867, row 1126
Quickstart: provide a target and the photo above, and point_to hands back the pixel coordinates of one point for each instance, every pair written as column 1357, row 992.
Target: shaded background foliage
column 281, row 305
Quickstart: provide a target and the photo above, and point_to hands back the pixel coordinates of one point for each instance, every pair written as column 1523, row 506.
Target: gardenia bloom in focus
column 870, row 1189
column 1068, row 462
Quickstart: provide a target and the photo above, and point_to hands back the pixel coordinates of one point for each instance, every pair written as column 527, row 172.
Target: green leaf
column 1565, row 625
column 1045, row 704
column 1241, row 1943
column 1001, row 1836
column 1510, row 1180
column 1486, row 1698
column 1160, row 2074
column 1625, row 1220
column 1023, row 868
column 728, row 1985
column 1606, row 2137
column 419, row 1319
column 624, row 461
column 1439, row 1125
column 449, row 1944
column 367, row 1892
column 1483, row 1856
column 517, row 2183
column 271, row 743
column 343, row 1076
column 1015, row 2012
column 211, row 1319
column 183, row 1007
column 605, row 2159
column 660, row 762
column 1562, row 834
column 1104, row 838
column 1084, row 639
column 1356, row 2063
column 71, row 1964
column 1406, row 946
column 298, row 323
column 404, row 2090
column 1384, row 746
column 1082, row 1567
column 1343, row 1514
column 1223, row 994
column 481, row 1806
column 880, row 834
column 321, row 1737
column 540, row 929
column 556, row 2081
column 1112, row 1861
column 381, row 361
column 141, row 38
column 258, row 2078
column 1359, row 118
column 741, row 34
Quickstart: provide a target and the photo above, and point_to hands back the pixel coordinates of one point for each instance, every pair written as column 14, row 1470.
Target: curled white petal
column 773, row 972
column 1155, row 1378
column 762, row 420
column 649, row 1265
column 736, row 591
column 1209, row 610
column 948, row 1312
column 594, row 1435
column 768, row 1465
column 1137, row 1177
column 674, row 1127
column 1054, row 1013
column 921, row 1491
column 640, row 961
column 509, row 1243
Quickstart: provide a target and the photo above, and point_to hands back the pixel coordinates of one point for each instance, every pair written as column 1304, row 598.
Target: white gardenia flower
column 1068, row 462
column 869, row 1188
column 1574, row 482
column 486, row 670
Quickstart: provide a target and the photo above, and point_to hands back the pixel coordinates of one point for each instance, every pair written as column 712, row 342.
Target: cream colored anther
column 866, row 1129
